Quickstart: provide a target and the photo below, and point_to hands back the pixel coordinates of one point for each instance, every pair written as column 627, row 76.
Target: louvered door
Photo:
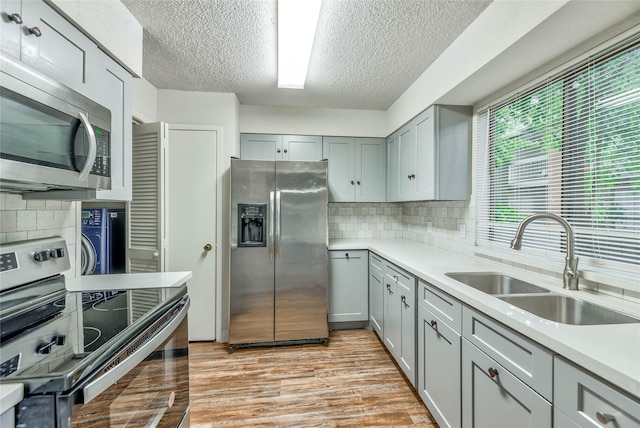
column 146, row 249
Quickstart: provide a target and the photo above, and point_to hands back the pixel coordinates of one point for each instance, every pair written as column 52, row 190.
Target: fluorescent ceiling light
column 297, row 22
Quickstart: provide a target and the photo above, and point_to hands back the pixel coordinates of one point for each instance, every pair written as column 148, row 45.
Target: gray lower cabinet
column 348, row 286
column 494, row 398
column 506, row 377
column 439, row 348
column 583, row 400
column 400, row 319
column 377, row 267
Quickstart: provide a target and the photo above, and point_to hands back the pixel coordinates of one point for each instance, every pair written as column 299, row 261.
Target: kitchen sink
column 568, row 310
column 495, row 283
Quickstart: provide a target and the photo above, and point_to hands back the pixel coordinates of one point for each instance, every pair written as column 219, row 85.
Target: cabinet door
column 260, row 146
column 425, row 185
column 111, row 86
column 439, row 368
column 60, row 51
column 376, row 294
column 10, row 30
column 370, row 170
column 406, row 161
column 348, row 290
column 301, row 147
column 340, row 152
column 392, row 317
column 407, row 354
column 392, row 168
column 494, row 398
column 589, row 401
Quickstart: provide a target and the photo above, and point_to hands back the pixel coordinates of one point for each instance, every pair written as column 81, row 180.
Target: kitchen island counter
column 128, row 281
column 609, row 351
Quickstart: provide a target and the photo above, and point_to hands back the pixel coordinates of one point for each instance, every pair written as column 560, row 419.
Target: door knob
column 208, row 247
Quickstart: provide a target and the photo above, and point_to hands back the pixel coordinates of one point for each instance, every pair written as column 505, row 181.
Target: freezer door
column 302, row 267
column 252, row 267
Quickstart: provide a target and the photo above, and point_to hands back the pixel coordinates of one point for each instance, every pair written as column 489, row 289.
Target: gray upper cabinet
column 357, row 169
column 433, row 155
column 34, row 33
column 280, row 147
column 392, row 167
column 111, row 86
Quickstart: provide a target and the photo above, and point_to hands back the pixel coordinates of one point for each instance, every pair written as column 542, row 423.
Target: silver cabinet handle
column 353, row 182
column 35, row 31
column 604, row 418
column 15, row 17
column 434, row 325
column 358, row 182
column 389, row 288
column 272, row 209
column 492, row 372
column 93, row 147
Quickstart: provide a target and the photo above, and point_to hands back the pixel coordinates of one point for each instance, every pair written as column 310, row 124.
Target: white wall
column 313, row 121
column 144, row 101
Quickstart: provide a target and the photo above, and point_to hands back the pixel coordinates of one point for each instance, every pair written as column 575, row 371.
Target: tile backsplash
column 28, row 219
column 365, row 220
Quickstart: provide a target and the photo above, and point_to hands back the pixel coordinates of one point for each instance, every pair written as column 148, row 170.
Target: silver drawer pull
column 434, row 325
column 492, row 372
column 35, row 31
column 604, row 419
column 15, row 17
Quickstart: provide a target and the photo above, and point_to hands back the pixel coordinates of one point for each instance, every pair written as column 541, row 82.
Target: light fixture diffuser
column 297, row 22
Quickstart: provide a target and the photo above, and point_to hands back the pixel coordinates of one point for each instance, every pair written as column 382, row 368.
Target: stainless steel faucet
column 571, row 275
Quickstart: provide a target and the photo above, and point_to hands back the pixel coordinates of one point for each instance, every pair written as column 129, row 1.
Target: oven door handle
column 102, row 383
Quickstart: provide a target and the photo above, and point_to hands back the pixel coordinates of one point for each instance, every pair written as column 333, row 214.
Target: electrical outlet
column 463, row 230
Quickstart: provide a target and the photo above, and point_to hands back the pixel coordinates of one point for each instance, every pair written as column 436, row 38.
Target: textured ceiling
column 366, row 52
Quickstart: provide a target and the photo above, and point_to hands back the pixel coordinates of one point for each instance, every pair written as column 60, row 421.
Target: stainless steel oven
column 51, row 137
column 116, row 358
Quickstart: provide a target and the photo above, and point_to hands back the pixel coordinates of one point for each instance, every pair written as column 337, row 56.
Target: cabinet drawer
column 524, row 358
column 375, row 261
column 440, row 303
column 493, row 397
column 585, row 398
column 402, row 278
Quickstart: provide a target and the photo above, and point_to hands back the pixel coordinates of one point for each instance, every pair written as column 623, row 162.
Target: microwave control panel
column 102, row 164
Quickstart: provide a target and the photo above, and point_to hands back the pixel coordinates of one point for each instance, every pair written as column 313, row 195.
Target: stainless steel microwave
column 51, row 137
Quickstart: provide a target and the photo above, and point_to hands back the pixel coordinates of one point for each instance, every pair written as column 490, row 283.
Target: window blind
column 570, row 146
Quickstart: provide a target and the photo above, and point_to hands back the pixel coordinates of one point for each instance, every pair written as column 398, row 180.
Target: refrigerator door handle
column 277, row 237
column 272, row 204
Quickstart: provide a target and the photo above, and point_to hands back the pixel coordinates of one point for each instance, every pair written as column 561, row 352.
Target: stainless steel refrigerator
column 279, row 260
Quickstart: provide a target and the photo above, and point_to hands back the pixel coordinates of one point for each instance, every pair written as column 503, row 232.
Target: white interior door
column 191, row 208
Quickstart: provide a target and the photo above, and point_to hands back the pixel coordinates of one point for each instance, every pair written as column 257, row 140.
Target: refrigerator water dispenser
column 252, row 225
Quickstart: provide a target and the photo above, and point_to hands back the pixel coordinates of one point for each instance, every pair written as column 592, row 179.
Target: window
column 570, row 146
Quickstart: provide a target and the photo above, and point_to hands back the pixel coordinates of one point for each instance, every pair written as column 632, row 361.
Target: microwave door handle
column 102, row 383
column 93, row 147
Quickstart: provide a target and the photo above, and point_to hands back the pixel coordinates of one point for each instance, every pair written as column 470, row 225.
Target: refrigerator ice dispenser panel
column 252, row 225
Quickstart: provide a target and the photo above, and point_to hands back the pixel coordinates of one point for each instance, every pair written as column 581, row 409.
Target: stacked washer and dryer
column 103, row 240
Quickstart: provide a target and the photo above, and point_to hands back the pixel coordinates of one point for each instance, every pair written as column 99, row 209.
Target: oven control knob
column 56, row 253
column 41, row 256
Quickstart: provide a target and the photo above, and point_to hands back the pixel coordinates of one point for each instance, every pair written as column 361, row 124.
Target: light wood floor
column 351, row 382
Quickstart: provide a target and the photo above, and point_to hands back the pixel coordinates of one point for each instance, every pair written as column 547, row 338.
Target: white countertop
column 610, row 351
column 127, row 281
column 10, row 395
